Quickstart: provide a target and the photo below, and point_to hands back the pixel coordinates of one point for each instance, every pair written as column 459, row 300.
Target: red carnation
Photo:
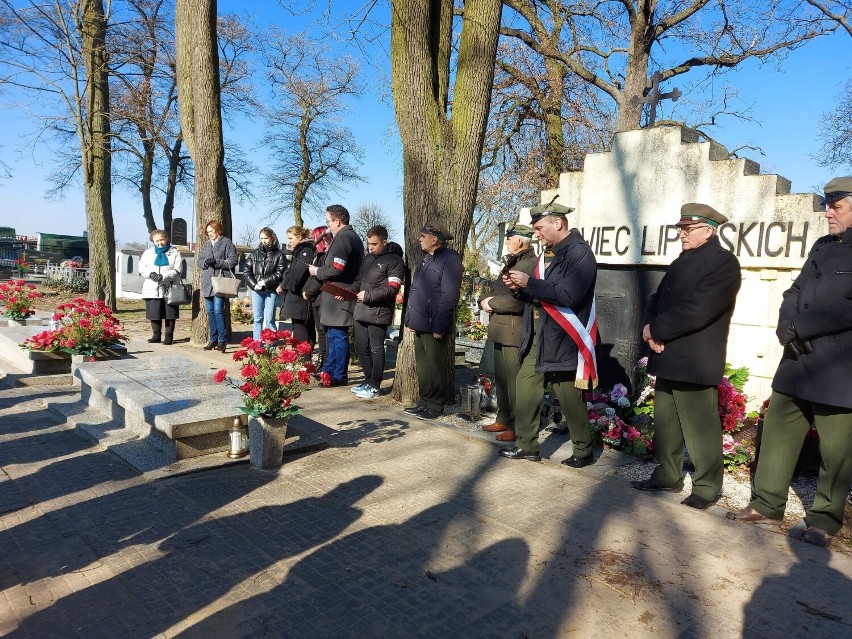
column 284, row 334
column 304, row 377
column 220, row 376
column 304, row 348
column 248, row 341
column 289, row 356
column 249, row 371
column 325, row 378
column 285, row 377
column 268, row 335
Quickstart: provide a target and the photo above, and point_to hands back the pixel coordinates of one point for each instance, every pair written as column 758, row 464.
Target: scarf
column 161, row 259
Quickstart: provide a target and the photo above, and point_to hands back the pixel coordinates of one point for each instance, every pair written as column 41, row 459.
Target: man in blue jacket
column 342, row 263
column 430, row 316
column 813, row 384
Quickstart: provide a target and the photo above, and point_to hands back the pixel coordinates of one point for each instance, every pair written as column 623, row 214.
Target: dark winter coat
column 506, row 321
column 225, row 254
column 380, row 278
column 295, row 306
column 434, row 293
column 342, row 264
column 820, row 304
column 265, row 266
column 691, row 315
column 569, row 280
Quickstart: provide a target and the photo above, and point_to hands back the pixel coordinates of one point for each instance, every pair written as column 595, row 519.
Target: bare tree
column 442, row 131
column 58, row 51
column 249, row 234
column 312, row 152
column 369, row 215
column 197, row 62
column 611, row 46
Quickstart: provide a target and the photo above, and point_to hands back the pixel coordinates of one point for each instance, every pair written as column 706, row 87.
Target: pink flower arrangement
column 275, row 370
column 80, row 327
column 16, row 297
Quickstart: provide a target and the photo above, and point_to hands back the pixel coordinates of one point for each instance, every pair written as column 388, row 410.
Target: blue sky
column 787, row 103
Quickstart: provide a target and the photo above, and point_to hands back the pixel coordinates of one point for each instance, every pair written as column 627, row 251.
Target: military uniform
column 690, row 314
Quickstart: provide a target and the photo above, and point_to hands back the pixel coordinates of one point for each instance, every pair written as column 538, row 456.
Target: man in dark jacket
column 342, row 263
column 430, row 316
column 687, row 324
column 559, row 335
column 504, row 329
column 381, row 276
column 813, row 384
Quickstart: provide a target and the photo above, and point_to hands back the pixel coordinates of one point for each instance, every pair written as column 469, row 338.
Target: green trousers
column 529, row 390
column 784, row 428
column 688, row 413
column 506, row 369
column 430, row 359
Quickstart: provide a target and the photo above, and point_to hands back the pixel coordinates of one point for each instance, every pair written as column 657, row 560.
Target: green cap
column 694, row 213
column 520, row 229
column 837, row 189
column 543, row 210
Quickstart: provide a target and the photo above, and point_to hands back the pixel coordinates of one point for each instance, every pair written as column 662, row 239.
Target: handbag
column 224, row 286
column 179, row 293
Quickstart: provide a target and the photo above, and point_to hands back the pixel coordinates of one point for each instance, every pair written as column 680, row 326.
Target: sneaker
column 357, row 389
column 368, row 392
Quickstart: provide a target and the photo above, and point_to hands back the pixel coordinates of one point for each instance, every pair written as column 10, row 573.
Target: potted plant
column 275, row 370
column 16, row 297
column 83, row 328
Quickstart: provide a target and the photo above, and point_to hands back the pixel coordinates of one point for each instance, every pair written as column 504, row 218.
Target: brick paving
column 400, row 529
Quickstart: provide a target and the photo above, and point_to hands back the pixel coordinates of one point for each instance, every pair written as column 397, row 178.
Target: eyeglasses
column 686, row 230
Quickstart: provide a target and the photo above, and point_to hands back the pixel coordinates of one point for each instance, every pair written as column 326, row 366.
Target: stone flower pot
column 266, row 441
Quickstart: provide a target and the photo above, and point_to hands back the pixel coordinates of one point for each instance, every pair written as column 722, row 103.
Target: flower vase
column 266, row 441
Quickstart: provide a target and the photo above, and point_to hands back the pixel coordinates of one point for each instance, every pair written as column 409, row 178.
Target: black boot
column 169, row 332
column 156, row 330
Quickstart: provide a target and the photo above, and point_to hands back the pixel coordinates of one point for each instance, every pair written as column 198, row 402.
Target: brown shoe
column 506, row 436
column 749, row 515
column 496, row 427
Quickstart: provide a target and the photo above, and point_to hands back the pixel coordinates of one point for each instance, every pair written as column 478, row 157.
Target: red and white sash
column 585, row 337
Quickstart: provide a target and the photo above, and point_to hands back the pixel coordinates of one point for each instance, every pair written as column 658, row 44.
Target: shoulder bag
column 178, row 293
column 224, row 286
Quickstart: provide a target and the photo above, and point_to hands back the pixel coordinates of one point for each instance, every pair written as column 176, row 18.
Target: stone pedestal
column 266, row 441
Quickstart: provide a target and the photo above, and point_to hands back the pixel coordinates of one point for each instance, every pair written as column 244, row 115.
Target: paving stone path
column 400, row 529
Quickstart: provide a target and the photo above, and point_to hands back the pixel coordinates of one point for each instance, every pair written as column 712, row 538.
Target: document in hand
column 337, row 290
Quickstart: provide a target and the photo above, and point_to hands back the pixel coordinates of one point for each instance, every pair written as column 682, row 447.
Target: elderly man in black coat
column 813, row 383
column 687, row 324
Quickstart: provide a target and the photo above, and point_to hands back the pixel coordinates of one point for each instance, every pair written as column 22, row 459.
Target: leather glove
column 786, row 332
column 209, row 262
column 156, row 277
column 800, row 347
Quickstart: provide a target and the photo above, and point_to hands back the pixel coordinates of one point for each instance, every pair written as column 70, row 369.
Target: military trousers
column 784, row 429
column 529, row 391
column 506, row 369
column 430, row 359
column 688, row 413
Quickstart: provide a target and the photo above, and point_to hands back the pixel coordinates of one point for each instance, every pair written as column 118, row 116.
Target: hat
column 837, row 189
column 520, row 229
column 694, row 213
column 438, row 230
column 543, row 210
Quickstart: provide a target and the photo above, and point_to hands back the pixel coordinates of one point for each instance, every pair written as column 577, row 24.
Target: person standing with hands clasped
column 216, row 254
column 161, row 267
column 686, row 327
column 813, row 383
column 263, row 273
column 430, row 316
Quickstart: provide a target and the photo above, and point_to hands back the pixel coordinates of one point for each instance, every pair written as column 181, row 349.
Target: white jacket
column 170, row 273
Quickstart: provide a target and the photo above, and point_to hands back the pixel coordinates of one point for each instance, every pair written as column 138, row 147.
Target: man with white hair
column 813, row 384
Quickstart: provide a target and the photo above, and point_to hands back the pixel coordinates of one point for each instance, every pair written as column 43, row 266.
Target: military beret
column 543, row 210
column 520, row 229
column 837, row 189
column 694, row 213
column 438, row 230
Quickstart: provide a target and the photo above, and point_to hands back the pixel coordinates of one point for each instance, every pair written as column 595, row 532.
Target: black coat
column 506, row 321
column 691, row 315
column 434, row 294
column 265, row 266
column 569, row 280
column 295, row 306
column 342, row 264
column 820, row 305
column 380, row 278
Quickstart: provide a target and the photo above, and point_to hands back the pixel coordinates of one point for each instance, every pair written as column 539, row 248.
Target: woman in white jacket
column 160, row 265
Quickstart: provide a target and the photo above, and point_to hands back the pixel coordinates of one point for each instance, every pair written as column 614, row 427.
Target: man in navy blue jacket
column 430, row 315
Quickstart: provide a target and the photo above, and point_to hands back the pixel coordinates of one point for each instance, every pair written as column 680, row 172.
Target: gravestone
column 178, row 234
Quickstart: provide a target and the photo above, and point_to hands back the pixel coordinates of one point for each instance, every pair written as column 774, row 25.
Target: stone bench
column 41, row 362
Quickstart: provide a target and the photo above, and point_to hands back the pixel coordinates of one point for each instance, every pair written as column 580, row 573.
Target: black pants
column 322, row 340
column 303, row 330
column 370, row 346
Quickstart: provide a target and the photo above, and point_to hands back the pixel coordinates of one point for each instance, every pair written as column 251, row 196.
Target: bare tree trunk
column 197, row 58
column 441, row 153
column 171, row 182
column 96, row 156
column 636, row 76
column 145, row 186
